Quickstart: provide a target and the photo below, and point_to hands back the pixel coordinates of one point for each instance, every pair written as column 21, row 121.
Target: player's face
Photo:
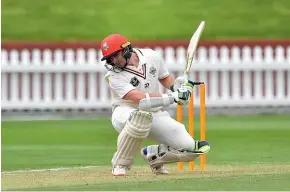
column 118, row 60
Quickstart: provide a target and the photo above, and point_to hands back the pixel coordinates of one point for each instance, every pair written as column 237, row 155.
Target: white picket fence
column 74, row 79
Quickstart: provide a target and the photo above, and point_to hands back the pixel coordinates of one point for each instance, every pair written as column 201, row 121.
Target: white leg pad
column 131, row 137
column 162, row 154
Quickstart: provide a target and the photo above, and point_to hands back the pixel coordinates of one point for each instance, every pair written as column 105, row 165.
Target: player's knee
column 139, row 124
column 118, row 124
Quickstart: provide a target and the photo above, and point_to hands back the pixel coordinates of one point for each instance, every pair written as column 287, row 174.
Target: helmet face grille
column 127, row 52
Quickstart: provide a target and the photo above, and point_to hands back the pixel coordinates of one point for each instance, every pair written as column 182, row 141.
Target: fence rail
column 74, row 78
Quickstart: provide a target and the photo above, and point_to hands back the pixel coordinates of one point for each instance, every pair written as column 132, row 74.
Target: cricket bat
column 192, row 48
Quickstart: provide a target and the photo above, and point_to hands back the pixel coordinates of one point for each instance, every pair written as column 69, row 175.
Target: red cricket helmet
column 112, row 44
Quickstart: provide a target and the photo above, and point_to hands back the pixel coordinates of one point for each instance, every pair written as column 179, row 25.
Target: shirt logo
column 134, row 81
column 152, row 71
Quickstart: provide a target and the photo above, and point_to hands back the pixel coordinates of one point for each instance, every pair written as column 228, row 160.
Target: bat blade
column 192, row 46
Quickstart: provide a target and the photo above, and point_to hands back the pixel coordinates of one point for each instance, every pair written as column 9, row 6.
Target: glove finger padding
column 188, row 86
column 183, row 93
column 182, row 102
column 181, row 96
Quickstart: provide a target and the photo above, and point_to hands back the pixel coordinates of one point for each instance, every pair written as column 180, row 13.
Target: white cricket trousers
column 165, row 130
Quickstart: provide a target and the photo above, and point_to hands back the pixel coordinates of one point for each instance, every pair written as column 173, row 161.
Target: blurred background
column 51, row 69
column 51, row 58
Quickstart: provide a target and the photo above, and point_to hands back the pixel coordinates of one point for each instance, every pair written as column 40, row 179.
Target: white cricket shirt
column 145, row 77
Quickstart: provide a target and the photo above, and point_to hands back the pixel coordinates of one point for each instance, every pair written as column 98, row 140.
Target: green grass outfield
column 248, row 153
column 69, row 20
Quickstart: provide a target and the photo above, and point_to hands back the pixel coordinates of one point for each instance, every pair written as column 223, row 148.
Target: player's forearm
column 147, row 101
column 167, row 81
column 136, row 95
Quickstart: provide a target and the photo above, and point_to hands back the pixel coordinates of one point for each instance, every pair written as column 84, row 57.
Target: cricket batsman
column 133, row 78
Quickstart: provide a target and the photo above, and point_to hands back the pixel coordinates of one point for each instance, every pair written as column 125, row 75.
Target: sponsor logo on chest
column 135, row 82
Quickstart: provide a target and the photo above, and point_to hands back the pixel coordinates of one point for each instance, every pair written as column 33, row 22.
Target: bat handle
column 193, row 83
column 197, row 83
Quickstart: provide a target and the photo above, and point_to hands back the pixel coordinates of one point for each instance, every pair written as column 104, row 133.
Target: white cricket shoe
column 160, row 170
column 119, row 170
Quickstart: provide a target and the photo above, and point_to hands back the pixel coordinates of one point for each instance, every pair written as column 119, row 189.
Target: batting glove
column 181, row 96
column 177, row 83
column 188, row 85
